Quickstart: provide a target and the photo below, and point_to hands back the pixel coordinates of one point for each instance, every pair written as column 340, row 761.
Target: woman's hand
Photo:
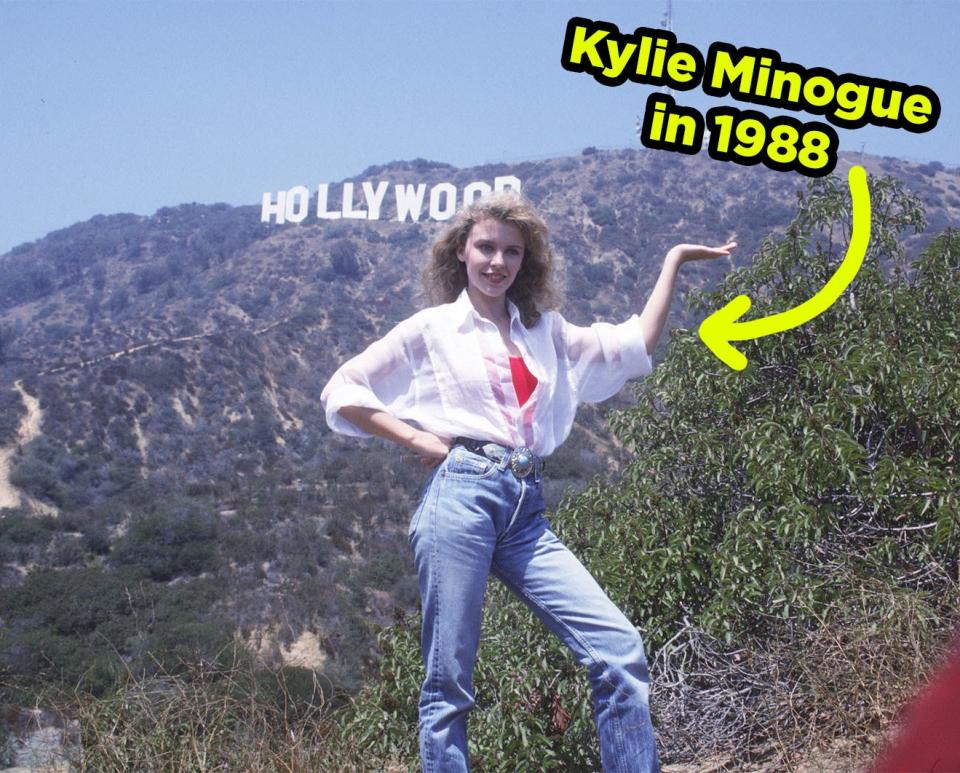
column 430, row 449
column 684, row 253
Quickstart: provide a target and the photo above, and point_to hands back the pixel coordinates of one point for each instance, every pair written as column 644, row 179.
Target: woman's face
column 493, row 255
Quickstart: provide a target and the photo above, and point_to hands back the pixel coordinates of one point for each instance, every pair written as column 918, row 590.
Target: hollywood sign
column 293, row 205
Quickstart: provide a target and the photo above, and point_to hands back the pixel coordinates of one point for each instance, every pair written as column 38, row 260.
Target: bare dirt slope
column 28, row 430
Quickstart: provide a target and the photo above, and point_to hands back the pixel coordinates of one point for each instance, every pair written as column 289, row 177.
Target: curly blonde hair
column 533, row 291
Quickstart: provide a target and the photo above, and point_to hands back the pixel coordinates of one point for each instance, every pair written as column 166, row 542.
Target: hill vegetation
column 194, row 508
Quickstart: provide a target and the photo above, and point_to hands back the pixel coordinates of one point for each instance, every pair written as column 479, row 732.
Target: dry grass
column 212, row 718
column 776, row 703
column 819, row 696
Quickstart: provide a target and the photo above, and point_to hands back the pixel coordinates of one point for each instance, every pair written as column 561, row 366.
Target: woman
column 481, row 388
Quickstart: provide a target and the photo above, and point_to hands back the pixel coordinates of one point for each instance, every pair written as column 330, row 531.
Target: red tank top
column 523, row 380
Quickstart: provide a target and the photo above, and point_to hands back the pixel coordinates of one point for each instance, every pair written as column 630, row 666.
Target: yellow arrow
column 721, row 327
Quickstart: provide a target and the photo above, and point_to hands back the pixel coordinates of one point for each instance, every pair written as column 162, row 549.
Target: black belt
column 521, row 460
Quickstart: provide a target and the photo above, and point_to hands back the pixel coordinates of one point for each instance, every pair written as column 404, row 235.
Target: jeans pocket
column 461, row 463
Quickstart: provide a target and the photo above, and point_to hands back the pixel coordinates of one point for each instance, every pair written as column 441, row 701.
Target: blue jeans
column 474, row 518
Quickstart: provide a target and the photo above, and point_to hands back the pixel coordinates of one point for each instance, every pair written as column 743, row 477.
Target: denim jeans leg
column 453, row 542
column 538, row 568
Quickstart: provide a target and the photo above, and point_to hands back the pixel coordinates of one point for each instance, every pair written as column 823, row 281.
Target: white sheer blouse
column 446, row 370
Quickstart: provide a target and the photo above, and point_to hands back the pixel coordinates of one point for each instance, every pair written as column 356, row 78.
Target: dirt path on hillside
column 29, row 429
column 148, row 345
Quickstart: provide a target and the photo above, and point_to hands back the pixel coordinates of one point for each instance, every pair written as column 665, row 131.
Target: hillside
column 169, row 480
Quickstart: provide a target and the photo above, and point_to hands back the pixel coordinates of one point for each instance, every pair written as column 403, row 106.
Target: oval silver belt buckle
column 521, row 461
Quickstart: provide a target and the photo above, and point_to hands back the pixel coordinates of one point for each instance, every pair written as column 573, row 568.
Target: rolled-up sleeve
column 602, row 357
column 381, row 377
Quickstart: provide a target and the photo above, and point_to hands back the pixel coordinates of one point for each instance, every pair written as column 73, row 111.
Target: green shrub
column 85, row 627
column 22, row 529
column 173, row 540
column 603, row 214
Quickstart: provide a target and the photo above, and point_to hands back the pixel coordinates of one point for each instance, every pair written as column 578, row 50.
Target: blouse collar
column 463, row 308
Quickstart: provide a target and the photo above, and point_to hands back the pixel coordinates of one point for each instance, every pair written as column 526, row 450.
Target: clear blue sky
column 128, row 107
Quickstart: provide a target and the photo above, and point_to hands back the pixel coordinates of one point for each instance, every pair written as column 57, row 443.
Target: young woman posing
column 481, row 388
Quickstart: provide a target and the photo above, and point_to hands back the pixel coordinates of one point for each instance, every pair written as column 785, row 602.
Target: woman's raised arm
column 654, row 314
